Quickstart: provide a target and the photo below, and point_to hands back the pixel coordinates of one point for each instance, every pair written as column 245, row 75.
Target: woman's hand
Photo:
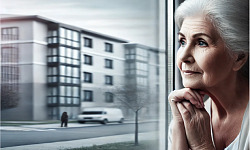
column 186, row 94
column 179, row 139
column 197, row 126
column 181, row 136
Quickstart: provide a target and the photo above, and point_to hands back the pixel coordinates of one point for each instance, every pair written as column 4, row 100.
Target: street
column 38, row 135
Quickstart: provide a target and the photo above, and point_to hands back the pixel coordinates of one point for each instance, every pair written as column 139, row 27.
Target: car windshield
column 93, row 112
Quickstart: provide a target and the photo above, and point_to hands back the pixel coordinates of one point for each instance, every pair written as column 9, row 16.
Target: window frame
column 109, row 80
column 90, row 60
column 108, row 47
column 10, row 36
column 88, row 44
column 87, row 77
column 109, row 97
column 85, row 96
column 109, row 63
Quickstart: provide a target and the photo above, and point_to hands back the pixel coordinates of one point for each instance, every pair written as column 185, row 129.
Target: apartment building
column 48, row 67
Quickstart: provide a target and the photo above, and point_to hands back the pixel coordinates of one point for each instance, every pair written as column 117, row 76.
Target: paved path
column 74, row 143
column 84, row 142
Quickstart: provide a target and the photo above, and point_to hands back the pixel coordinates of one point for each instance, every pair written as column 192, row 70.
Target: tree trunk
column 136, row 128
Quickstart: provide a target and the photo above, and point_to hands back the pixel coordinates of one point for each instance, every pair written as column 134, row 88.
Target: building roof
column 11, row 18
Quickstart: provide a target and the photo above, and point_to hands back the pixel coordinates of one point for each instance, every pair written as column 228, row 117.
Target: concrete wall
column 99, row 71
column 32, row 49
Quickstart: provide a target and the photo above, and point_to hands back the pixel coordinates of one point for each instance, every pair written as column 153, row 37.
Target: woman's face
column 202, row 58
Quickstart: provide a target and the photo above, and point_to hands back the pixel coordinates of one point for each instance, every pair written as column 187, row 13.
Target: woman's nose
column 185, row 54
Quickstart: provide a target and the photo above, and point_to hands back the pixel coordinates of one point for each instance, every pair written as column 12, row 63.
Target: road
column 22, row 137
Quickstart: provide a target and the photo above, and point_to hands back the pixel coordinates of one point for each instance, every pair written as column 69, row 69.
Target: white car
column 101, row 114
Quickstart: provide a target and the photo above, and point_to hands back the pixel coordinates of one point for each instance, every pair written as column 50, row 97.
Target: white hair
column 229, row 17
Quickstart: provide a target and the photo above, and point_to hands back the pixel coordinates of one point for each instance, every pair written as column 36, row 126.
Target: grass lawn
column 143, row 145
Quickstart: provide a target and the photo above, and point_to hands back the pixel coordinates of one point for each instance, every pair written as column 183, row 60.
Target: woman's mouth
column 190, row 72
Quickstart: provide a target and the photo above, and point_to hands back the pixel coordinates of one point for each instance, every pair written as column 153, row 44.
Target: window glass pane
column 54, row 40
column 69, row 52
column 75, row 54
column 62, row 79
column 75, row 101
column 54, row 100
column 69, row 43
column 68, row 100
column 69, row 80
column 54, row 33
column 62, row 91
column 69, row 36
column 76, row 91
column 75, row 37
column 49, row 100
column 63, row 70
column 50, row 71
column 69, row 91
column 75, row 72
column 54, row 79
column 62, row 41
column 62, row 32
column 62, row 59
column 69, row 60
column 62, row 100
column 69, row 71
column 54, row 70
column 54, row 51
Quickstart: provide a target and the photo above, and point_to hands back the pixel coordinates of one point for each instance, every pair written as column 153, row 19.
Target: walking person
column 64, row 119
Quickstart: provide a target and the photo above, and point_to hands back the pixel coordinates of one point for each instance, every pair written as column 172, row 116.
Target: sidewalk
column 84, row 142
column 74, row 143
column 53, row 124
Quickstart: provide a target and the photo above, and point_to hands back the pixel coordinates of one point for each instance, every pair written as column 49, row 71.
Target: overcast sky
column 132, row 20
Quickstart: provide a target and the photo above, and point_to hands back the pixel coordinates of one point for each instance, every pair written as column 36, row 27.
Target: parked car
column 102, row 115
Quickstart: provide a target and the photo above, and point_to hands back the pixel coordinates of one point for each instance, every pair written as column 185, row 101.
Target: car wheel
column 121, row 120
column 105, row 121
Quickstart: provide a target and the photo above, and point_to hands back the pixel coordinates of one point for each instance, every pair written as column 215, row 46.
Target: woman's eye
column 182, row 42
column 202, row 43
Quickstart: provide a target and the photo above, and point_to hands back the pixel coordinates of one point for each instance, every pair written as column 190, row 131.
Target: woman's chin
column 192, row 85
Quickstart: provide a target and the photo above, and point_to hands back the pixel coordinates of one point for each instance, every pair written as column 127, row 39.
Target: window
column 87, row 59
column 9, row 34
column 108, row 63
column 109, row 97
column 69, row 37
column 88, row 42
column 108, row 80
column 87, row 77
column 108, row 47
column 88, row 96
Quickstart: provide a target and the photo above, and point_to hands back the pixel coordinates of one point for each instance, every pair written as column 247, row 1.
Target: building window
column 9, row 34
column 87, row 59
column 108, row 47
column 88, row 42
column 88, row 96
column 108, row 80
column 87, row 77
column 108, row 63
column 109, row 97
column 69, row 37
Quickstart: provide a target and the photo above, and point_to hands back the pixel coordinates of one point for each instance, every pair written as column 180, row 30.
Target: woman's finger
column 187, row 94
column 175, row 111
column 200, row 98
column 189, row 107
column 185, row 114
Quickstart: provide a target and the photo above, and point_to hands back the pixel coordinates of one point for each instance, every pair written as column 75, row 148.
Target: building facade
column 48, row 67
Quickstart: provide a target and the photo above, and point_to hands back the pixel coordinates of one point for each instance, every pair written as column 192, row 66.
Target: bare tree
column 134, row 98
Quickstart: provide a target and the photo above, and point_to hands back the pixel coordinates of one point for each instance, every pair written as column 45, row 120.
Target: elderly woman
column 213, row 61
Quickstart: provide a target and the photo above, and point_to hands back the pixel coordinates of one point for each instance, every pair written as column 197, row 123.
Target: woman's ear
column 240, row 61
